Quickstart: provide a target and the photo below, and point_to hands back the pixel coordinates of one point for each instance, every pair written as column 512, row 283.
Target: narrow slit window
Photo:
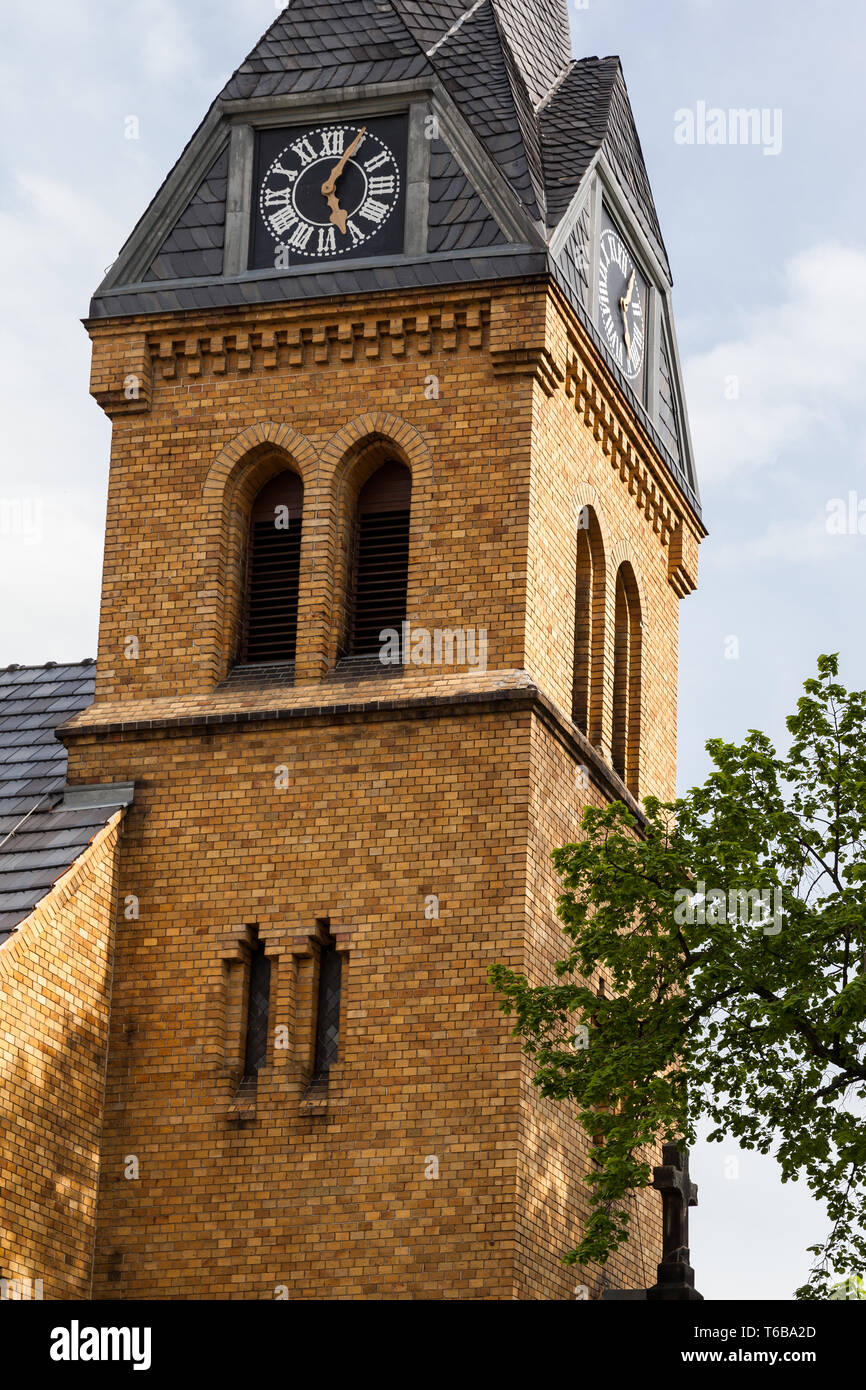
column 273, row 572
column 381, row 562
column 258, row 1009
column 627, row 679
column 328, row 1010
column 588, row 674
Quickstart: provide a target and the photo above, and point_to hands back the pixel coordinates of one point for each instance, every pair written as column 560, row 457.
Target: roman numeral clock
column 623, row 300
column 328, row 192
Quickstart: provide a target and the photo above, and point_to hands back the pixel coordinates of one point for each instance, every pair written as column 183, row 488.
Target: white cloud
column 798, row 366
column 168, row 51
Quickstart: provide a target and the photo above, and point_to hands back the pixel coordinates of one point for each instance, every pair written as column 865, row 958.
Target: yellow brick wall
column 453, row 784
column 55, row 974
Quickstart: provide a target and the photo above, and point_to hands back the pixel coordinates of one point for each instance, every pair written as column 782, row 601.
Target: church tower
column 401, row 509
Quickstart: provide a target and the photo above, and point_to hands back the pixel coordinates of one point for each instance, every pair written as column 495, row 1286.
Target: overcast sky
column 769, row 260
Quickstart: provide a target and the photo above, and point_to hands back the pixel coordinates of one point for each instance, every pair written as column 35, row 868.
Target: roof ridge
column 48, row 665
column 458, row 24
column 566, row 72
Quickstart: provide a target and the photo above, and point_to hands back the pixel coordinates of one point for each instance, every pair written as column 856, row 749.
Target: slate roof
column 541, row 116
column 458, row 219
column 38, row 843
column 589, row 111
column 505, row 64
column 194, row 246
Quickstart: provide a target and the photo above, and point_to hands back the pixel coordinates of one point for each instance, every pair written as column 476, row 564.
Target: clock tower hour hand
column 329, row 188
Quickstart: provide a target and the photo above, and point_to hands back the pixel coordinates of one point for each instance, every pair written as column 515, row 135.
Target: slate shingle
column 194, row 247
column 38, row 843
column 589, row 111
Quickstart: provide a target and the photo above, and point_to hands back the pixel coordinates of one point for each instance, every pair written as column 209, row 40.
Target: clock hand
column 338, row 216
column 624, row 307
column 330, row 184
column 624, row 303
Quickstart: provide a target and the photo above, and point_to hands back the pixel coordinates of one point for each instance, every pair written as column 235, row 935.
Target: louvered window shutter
column 274, row 566
column 381, row 557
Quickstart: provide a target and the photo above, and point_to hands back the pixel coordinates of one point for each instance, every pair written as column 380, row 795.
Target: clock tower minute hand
column 338, row 216
column 624, row 304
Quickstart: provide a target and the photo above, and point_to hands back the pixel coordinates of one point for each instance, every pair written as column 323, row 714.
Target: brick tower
column 390, row 353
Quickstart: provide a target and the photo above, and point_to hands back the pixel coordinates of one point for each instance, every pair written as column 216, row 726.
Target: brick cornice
column 516, row 699
column 129, row 360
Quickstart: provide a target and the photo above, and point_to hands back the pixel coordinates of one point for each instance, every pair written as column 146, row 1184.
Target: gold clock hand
column 338, row 216
column 330, row 184
column 627, row 336
column 624, row 303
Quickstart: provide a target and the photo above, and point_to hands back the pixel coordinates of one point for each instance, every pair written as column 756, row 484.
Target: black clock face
column 329, row 192
column 622, row 305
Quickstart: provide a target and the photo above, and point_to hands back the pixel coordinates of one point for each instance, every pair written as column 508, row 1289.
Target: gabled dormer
column 607, row 250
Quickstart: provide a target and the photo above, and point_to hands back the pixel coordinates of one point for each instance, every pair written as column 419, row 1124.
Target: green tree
column 731, row 925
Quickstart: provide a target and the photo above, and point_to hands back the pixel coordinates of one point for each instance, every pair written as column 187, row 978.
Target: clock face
column 622, row 303
column 329, row 192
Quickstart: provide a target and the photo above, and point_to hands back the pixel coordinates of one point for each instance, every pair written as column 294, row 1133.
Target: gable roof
column 586, row 114
column 523, row 126
column 540, row 118
column 38, row 843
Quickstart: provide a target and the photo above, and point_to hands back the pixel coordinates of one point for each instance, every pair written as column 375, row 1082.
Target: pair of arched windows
column 590, row 624
column 378, row 569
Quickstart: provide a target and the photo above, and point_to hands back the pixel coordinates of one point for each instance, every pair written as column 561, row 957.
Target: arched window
column 588, row 627
column 273, row 572
column 381, row 557
column 627, row 679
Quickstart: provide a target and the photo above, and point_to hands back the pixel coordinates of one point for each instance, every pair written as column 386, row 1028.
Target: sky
column 768, row 251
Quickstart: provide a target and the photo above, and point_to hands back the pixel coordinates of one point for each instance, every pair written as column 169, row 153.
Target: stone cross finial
column 678, row 1194
column 676, row 1278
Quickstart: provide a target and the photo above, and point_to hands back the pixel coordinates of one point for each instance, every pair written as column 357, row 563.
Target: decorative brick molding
column 585, row 495
column 340, row 452
column 535, row 362
column 612, row 430
column 683, row 561
column 523, row 347
column 320, row 343
column 121, row 374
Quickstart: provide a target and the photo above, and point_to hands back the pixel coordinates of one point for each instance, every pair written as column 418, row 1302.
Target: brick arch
column 621, row 553
column 342, row 449
column 349, row 458
column 235, row 477
column 230, row 460
column 586, row 496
